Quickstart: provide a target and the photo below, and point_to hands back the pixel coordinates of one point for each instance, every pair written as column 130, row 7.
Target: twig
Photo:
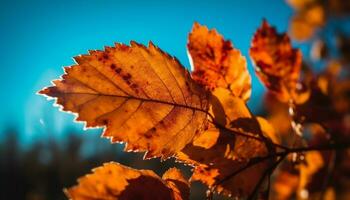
column 282, row 155
column 262, row 178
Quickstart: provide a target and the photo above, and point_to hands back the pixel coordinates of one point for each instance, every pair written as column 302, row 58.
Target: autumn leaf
column 277, row 63
column 177, row 183
column 304, row 179
column 230, row 159
column 300, row 4
column 314, row 162
column 306, row 22
column 217, row 168
column 328, row 95
column 286, row 183
column 118, row 182
column 216, row 63
column 141, row 95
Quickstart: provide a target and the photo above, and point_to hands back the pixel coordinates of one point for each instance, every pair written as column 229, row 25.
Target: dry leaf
column 328, row 95
column 114, row 181
column 339, row 8
column 305, row 23
column 314, row 162
column 277, row 63
column 177, row 183
column 141, row 95
column 216, row 63
column 301, row 4
column 219, row 155
column 303, row 180
column 285, row 184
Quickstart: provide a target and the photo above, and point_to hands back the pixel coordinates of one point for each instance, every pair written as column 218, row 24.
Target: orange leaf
column 220, row 153
column 118, row 182
column 177, row 183
column 277, row 63
column 141, row 95
column 303, row 180
column 305, row 23
column 216, row 63
column 300, row 4
column 314, row 162
column 286, row 183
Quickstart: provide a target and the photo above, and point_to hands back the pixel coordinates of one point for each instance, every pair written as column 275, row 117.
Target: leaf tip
column 196, row 25
column 151, row 45
column 47, row 91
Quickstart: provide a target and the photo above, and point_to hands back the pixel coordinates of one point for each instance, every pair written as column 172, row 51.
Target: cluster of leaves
column 145, row 98
column 321, row 22
column 321, row 116
column 312, row 15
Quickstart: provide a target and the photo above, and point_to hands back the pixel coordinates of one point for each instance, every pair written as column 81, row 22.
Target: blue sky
column 38, row 38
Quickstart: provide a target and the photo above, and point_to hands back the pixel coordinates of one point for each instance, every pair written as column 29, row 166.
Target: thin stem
column 268, row 187
column 280, row 146
column 218, row 125
column 262, row 178
column 256, row 120
column 282, row 155
column 236, row 132
column 330, row 170
column 332, row 146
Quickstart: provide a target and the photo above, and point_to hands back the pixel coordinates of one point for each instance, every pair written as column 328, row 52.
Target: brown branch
column 262, row 178
column 281, row 156
column 264, row 139
column 236, row 132
column 331, row 146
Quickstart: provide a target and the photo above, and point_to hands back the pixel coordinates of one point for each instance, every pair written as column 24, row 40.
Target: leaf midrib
column 57, row 94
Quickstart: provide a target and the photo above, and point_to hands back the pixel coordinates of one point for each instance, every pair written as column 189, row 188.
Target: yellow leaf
column 141, row 95
column 216, row 63
column 114, row 181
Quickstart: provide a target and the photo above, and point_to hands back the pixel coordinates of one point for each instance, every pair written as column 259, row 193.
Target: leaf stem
column 268, row 172
column 281, row 156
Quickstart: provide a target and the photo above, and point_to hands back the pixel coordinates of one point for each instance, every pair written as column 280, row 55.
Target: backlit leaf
column 216, row 63
column 305, row 23
column 177, row 183
column 300, row 4
column 141, row 95
column 286, row 183
column 114, row 181
column 314, row 162
column 277, row 63
column 219, row 155
column 302, row 180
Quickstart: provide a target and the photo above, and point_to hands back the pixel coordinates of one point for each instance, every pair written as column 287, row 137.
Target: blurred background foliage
column 43, row 151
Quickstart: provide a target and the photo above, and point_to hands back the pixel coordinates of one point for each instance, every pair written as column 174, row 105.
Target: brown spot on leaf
column 118, row 70
column 105, row 56
column 116, row 85
column 148, row 135
column 134, row 86
column 127, row 76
